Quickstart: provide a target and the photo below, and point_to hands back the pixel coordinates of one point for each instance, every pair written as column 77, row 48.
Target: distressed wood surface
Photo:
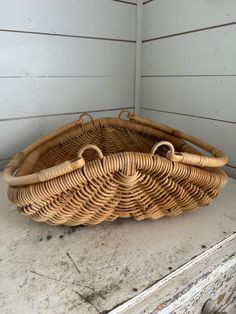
column 93, row 269
column 207, row 276
column 90, row 18
column 168, row 17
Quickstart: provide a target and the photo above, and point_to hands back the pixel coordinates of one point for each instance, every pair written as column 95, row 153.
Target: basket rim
column 18, row 166
column 113, row 164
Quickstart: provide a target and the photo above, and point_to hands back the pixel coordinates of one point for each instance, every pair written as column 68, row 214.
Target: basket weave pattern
column 124, row 175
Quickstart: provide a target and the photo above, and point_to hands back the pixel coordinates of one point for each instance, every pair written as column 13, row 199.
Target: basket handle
column 45, row 174
column 124, row 111
column 219, row 159
column 90, row 146
column 85, row 114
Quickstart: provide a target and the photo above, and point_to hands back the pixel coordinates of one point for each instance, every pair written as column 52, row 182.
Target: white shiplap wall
column 189, row 69
column 59, row 58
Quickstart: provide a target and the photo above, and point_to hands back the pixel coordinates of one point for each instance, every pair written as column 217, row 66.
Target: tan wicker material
column 86, row 173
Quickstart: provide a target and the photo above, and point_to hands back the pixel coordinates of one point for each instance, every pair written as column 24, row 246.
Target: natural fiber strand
column 86, row 173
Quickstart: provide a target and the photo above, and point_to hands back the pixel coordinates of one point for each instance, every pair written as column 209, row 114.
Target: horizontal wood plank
column 41, row 55
column 21, row 97
column 231, row 171
column 77, row 17
column 210, row 52
column 167, row 17
column 4, row 162
column 217, row 133
column 212, row 97
column 17, row 134
column 126, row 1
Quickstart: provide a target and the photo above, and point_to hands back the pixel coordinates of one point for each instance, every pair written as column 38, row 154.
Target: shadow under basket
column 86, row 173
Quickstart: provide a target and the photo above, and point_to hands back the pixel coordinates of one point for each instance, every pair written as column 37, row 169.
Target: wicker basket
column 86, row 173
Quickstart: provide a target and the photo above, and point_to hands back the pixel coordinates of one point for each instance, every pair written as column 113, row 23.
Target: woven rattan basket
column 86, row 173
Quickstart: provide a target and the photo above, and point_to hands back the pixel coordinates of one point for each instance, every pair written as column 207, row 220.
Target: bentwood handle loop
column 166, row 143
column 128, row 114
column 85, row 114
column 90, row 146
column 219, row 159
column 185, row 158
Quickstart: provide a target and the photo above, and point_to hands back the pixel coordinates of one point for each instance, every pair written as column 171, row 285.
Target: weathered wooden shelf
column 164, row 266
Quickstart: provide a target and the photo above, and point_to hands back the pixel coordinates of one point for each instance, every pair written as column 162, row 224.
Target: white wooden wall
column 59, row 58
column 189, row 69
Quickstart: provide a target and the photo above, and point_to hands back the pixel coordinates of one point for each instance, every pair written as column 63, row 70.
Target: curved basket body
column 127, row 181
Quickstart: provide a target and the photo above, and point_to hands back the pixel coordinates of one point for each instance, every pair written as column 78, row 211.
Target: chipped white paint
column 186, row 289
column 56, row 270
